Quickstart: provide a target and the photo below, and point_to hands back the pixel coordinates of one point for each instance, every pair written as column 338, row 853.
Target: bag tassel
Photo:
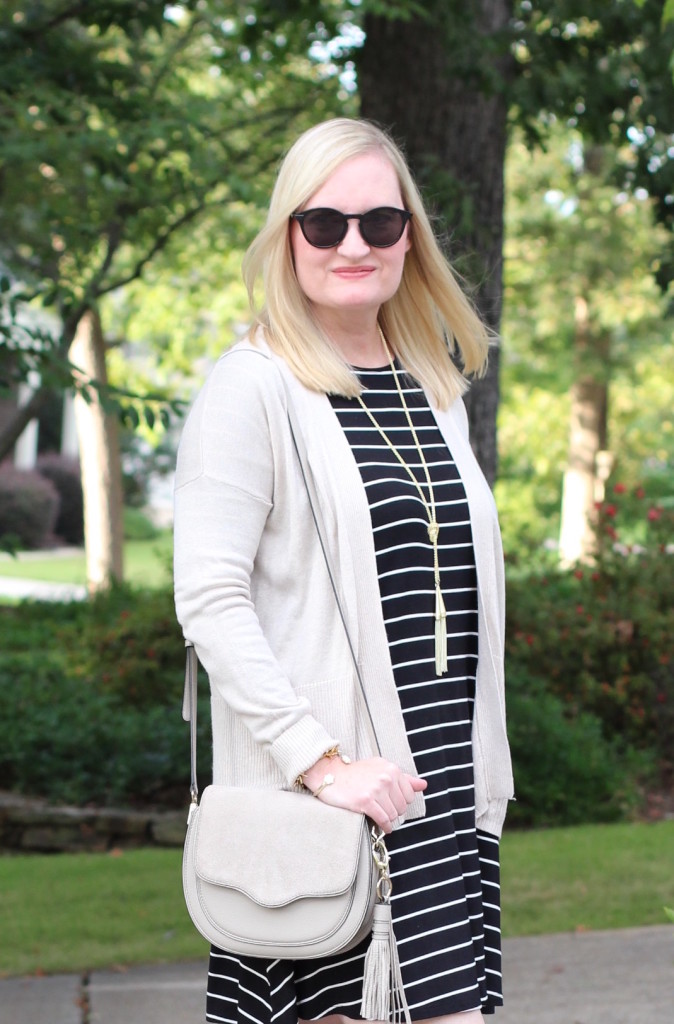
column 382, row 982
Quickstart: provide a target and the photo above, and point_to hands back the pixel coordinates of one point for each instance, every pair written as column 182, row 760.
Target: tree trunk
column 438, row 83
column 588, row 462
column 100, row 460
column 14, row 424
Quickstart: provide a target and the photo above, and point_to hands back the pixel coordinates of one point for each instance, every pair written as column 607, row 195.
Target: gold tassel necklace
column 429, row 505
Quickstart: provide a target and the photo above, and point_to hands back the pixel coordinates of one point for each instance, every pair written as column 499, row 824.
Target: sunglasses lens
column 382, row 227
column 324, row 228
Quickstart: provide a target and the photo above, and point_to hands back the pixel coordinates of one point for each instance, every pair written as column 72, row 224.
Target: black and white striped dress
column 446, row 905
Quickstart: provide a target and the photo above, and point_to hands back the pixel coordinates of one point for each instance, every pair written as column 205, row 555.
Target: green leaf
column 130, row 417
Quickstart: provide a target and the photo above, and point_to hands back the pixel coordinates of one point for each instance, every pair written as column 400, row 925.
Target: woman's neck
column 359, row 343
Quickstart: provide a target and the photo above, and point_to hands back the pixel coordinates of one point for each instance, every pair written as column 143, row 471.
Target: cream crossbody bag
column 279, row 874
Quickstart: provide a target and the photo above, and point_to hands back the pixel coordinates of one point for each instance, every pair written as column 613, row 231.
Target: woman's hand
column 375, row 787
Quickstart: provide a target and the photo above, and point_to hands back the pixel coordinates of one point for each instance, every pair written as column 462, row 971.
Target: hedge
column 90, row 694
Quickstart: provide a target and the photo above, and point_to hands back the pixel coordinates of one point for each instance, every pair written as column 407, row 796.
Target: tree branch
column 114, row 237
column 158, row 245
column 31, row 30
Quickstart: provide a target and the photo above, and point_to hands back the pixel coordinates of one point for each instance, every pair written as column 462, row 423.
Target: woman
column 360, row 314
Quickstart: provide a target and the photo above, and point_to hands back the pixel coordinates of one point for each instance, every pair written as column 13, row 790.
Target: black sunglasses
column 325, row 228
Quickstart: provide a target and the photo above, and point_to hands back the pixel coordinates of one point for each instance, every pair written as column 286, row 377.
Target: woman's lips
column 353, row 273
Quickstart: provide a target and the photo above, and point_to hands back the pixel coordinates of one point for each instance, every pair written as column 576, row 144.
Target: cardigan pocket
column 335, row 703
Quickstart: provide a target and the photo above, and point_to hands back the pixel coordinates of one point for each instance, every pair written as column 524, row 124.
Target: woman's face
column 352, row 277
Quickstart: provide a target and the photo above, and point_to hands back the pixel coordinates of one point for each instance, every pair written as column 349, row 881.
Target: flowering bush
column 629, row 522
column 602, row 635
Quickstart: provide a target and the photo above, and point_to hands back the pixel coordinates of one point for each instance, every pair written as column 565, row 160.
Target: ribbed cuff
column 300, row 746
column 492, row 819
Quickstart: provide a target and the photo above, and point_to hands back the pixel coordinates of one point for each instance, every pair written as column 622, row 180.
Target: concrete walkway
column 37, row 590
column 616, row 977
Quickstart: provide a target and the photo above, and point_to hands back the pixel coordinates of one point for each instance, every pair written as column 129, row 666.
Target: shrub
column 64, row 473
column 133, row 648
column 65, row 740
column 566, row 771
column 28, row 506
column 66, row 733
column 602, row 636
column 137, row 526
column 601, row 650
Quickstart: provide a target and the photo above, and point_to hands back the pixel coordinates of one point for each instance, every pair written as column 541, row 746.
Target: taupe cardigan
column 253, row 594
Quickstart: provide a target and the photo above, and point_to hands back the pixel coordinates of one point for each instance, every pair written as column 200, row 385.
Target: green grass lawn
column 587, row 877
column 146, row 562
column 83, row 911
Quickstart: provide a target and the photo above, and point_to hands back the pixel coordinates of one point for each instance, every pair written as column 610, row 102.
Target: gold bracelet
column 300, row 782
column 327, row 781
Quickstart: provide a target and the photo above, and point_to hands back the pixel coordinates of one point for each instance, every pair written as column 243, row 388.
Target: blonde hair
column 427, row 318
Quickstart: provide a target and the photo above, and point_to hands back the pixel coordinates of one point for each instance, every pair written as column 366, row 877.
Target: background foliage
column 91, row 698
column 139, row 140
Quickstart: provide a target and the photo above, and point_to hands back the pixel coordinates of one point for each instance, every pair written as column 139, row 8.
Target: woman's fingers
column 375, row 787
column 382, row 813
column 410, row 785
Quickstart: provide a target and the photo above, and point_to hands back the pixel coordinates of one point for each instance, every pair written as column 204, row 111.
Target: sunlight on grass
column 145, row 561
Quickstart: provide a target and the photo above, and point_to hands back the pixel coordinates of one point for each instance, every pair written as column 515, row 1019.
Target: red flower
column 639, row 493
column 610, row 510
column 654, row 513
column 578, row 573
column 619, row 489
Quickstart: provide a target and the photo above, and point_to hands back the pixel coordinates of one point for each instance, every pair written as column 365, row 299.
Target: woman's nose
column 353, row 242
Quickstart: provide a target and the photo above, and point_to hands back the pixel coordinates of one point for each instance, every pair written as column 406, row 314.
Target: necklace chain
column 429, row 505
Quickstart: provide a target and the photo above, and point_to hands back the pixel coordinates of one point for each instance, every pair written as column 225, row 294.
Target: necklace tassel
column 440, row 633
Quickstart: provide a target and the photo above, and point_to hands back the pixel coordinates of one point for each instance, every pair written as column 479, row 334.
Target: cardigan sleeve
column 224, row 493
